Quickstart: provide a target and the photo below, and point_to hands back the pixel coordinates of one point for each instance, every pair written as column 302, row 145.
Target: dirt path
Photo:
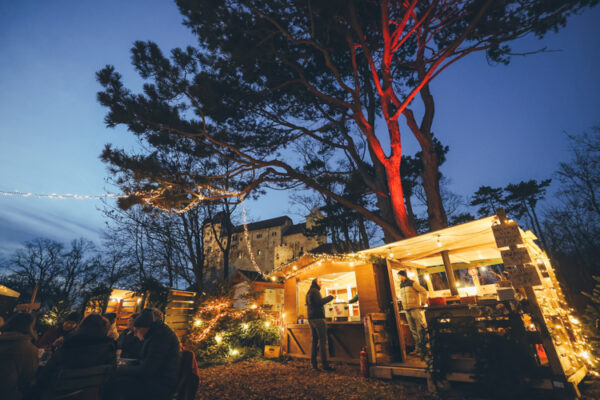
column 294, row 379
column 260, row 379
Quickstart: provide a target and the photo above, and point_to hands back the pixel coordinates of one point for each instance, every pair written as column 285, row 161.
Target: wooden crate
column 272, row 351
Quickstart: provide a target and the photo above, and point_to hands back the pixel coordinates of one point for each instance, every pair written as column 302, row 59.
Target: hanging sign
column 528, row 277
column 517, row 256
column 507, row 235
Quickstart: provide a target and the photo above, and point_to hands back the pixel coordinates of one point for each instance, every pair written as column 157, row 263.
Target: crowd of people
column 143, row 361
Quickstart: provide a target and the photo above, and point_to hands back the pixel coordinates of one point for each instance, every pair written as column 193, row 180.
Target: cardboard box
column 272, row 351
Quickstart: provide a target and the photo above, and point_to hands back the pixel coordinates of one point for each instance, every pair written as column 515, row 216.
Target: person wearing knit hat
column 156, row 374
column 55, row 336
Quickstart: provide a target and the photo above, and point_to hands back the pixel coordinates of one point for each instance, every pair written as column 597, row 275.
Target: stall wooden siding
column 344, row 341
column 367, row 290
column 289, row 299
column 179, row 310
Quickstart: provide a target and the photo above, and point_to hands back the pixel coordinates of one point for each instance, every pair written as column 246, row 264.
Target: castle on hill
column 273, row 242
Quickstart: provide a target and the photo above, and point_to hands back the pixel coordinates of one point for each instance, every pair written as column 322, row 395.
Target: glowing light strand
column 18, row 193
column 247, row 239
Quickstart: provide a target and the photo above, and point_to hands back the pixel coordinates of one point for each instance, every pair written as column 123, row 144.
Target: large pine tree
column 272, row 76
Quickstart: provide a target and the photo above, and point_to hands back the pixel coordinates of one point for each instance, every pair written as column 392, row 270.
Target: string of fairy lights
column 247, row 240
column 151, row 198
column 18, row 193
column 211, row 315
column 565, row 329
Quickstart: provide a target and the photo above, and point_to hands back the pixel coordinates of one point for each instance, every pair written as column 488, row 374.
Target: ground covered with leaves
column 293, row 379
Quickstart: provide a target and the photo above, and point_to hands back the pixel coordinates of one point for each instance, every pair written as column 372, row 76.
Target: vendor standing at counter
column 316, row 319
column 413, row 296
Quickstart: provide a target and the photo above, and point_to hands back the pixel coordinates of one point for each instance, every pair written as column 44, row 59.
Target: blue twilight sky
column 503, row 124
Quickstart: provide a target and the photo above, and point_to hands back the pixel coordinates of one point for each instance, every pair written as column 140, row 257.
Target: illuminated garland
column 60, row 196
column 318, row 260
column 151, row 198
column 247, row 239
column 212, row 313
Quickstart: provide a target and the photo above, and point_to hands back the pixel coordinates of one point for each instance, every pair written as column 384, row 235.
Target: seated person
column 87, row 347
column 112, row 325
column 18, row 356
column 54, row 336
column 129, row 344
column 156, row 374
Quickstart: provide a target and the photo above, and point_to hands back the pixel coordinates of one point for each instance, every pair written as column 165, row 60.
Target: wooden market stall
column 488, row 275
column 8, row 301
column 343, row 279
column 251, row 288
column 121, row 302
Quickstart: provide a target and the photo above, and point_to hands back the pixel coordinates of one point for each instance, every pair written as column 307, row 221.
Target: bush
column 222, row 334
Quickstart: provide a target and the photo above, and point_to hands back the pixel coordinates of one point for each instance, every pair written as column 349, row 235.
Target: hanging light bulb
column 439, row 243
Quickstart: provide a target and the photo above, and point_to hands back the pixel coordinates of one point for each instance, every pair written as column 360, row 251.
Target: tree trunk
column 431, row 175
column 397, row 196
column 383, row 203
column 431, row 185
column 363, row 233
column 409, row 208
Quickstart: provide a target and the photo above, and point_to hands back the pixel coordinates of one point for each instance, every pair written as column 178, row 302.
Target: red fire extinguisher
column 364, row 363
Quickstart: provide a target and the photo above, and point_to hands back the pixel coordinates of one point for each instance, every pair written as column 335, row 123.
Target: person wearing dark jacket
column 156, row 374
column 316, row 320
column 18, row 356
column 129, row 344
column 87, row 347
column 55, row 336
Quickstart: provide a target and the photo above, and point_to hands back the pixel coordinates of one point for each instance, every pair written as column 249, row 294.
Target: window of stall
column 342, row 286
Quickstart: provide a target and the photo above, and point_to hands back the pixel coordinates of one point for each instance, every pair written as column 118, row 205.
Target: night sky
column 503, row 123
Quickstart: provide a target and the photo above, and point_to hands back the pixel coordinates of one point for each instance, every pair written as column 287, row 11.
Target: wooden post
column 535, row 310
column 34, row 294
column 401, row 339
column 449, row 273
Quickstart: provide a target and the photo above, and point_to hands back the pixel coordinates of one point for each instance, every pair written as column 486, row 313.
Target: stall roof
column 469, row 242
column 465, row 243
column 4, row 291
